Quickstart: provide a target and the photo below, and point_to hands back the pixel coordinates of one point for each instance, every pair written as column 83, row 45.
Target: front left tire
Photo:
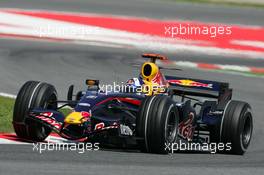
column 33, row 94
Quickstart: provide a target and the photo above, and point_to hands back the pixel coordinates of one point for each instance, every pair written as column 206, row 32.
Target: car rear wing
column 195, row 87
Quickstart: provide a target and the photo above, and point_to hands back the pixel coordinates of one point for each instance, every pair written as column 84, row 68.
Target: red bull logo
column 190, row 83
column 159, row 79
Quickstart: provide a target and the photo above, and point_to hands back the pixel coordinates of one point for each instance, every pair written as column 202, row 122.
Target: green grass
column 65, row 111
column 220, row 2
column 6, row 114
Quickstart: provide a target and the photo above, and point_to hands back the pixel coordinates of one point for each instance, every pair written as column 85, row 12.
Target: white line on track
column 6, row 141
column 7, row 95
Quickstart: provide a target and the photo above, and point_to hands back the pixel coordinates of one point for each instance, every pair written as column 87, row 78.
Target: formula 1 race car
column 150, row 113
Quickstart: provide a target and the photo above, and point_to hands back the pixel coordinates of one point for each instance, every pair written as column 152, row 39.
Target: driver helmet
column 132, row 85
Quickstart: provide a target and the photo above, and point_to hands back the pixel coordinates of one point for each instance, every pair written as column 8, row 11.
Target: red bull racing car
column 151, row 113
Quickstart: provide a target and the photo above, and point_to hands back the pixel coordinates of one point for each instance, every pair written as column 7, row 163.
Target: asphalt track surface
column 162, row 9
column 65, row 64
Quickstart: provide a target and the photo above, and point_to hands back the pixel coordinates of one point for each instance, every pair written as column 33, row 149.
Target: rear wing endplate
column 197, row 87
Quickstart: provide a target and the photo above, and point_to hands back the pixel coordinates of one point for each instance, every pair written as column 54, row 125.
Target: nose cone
column 76, row 118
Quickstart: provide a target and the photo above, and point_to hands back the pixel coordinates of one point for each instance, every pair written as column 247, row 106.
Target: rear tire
column 33, row 94
column 157, row 123
column 237, row 126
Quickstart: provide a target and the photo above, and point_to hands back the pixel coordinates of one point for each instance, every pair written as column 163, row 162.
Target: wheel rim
column 247, row 131
column 49, row 105
column 171, row 127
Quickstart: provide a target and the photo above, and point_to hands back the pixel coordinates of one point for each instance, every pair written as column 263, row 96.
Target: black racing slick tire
column 33, row 94
column 237, row 126
column 157, row 124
